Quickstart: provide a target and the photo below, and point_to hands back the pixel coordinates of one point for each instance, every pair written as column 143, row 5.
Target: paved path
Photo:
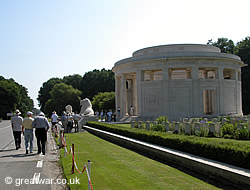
column 20, row 170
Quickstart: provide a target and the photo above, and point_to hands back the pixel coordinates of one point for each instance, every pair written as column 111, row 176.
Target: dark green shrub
column 162, row 119
column 243, row 134
column 228, row 129
column 203, row 132
column 158, row 127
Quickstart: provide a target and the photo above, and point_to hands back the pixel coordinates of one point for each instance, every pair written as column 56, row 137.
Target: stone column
column 238, row 93
column 138, row 109
column 196, row 108
column 135, row 96
column 165, row 90
column 117, row 93
column 221, row 91
column 123, row 96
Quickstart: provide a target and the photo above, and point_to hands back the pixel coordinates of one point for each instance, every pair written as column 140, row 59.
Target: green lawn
column 116, row 168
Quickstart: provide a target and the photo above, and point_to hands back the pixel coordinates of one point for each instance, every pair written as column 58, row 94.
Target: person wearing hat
column 28, row 132
column 16, row 122
column 42, row 125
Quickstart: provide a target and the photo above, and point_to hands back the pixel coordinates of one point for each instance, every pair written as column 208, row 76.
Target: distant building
column 183, row 80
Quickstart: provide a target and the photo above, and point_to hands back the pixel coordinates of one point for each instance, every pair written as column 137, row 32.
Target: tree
column 44, row 93
column 8, row 98
column 74, row 80
column 62, row 95
column 104, row 101
column 243, row 50
column 25, row 103
column 225, row 45
column 13, row 96
column 97, row 81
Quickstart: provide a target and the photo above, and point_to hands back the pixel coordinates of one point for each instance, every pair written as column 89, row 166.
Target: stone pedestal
column 85, row 119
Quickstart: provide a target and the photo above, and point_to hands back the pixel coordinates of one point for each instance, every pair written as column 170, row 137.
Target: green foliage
column 90, row 85
column 225, row 150
column 8, row 97
column 162, row 119
column 13, row 96
column 104, row 101
column 97, row 81
column 203, row 132
column 243, row 50
column 226, row 46
column 158, row 127
column 44, row 92
column 62, row 95
column 228, row 129
column 243, row 134
column 73, row 80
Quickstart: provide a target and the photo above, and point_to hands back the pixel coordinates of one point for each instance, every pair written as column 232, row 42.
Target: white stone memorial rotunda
column 177, row 81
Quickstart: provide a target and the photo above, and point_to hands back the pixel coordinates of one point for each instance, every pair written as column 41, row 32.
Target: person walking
column 16, row 122
column 69, row 122
column 76, row 118
column 102, row 115
column 28, row 132
column 64, row 120
column 54, row 119
column 109, row 114
column 42, row 125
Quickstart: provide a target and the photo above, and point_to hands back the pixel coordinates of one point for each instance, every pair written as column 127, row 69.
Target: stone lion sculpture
column 86, row 107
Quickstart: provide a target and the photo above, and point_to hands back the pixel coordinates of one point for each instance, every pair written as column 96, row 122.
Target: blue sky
column 41, row 39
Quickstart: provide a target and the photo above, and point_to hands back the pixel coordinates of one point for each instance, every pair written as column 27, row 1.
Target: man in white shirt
column 42, row 125
column 16, row 122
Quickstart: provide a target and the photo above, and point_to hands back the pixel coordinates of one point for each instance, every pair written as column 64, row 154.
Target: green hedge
column 224, row 150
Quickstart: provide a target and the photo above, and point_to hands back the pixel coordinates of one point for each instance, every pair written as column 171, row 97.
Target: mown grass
column 116, row 168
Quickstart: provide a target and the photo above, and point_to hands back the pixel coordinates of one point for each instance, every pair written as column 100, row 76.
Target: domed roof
column 177, row 51
column 177, row 48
